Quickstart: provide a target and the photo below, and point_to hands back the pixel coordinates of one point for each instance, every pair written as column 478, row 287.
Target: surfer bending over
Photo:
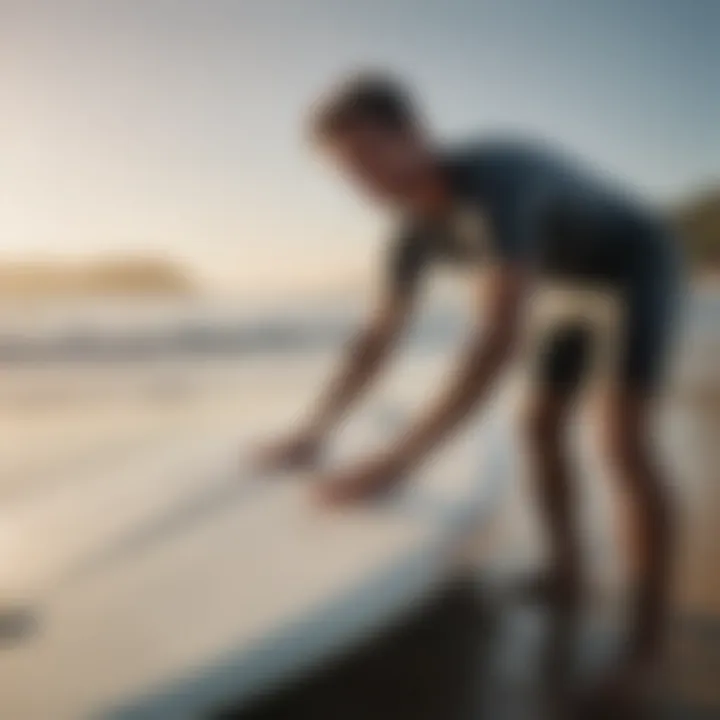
column 523, row 215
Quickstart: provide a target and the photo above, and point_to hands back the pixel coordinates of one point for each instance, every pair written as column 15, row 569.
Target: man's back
column 539, row 208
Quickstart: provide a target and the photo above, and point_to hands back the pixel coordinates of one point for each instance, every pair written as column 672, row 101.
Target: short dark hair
column 372, row 97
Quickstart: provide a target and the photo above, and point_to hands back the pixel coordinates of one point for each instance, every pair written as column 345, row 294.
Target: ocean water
column 59, row 358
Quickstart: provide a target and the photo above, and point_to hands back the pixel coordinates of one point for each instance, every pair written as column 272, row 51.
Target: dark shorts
column 645, row 270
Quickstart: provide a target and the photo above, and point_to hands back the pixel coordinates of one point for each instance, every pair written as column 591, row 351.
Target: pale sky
column 176, row 125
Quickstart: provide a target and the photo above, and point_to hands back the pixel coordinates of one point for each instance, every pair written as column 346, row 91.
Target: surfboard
column 180, row 581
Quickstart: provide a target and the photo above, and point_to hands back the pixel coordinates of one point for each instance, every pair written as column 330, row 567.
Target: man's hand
column 299, row 451
column 362, row 481
column 365, row 357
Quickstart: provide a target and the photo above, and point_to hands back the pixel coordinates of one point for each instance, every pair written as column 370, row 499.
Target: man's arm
column 364, row 358
column 487, row 352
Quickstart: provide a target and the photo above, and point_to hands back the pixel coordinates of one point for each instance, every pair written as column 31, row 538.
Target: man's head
column 372, row 129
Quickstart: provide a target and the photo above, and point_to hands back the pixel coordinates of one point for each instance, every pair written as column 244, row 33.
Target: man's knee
column 622, row 444
column 626, row 439
column 625, row 436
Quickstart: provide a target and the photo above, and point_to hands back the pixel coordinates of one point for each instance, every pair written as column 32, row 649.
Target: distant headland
column 698, row 221
column 139, row 276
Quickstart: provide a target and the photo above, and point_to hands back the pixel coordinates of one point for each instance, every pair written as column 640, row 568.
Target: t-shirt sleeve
column 512, row 206
column 405, row 263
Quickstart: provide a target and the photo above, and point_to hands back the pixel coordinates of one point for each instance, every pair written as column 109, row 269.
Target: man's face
column 385, row 162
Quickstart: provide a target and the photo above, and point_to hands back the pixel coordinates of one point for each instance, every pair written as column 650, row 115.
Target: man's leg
column 652, row 301
column 545, row 424
column 561, row 362
column 648, row 519
column 560, row 368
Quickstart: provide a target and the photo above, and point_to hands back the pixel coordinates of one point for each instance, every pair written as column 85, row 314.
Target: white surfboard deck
column 175, row 584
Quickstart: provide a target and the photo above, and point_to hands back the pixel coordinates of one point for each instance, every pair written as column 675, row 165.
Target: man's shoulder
column 406, row 234
column 406, row 252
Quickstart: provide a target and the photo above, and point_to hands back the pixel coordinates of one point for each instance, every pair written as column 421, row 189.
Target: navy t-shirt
column 516, row 202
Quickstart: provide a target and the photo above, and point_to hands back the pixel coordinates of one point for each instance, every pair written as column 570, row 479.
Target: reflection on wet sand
column 686, row 686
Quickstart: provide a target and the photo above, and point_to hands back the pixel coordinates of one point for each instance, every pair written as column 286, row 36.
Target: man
column 524, row 216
